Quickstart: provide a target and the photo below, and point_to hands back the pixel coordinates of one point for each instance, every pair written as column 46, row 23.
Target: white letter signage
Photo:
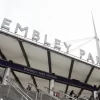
column 18, row 26
column 6, row 22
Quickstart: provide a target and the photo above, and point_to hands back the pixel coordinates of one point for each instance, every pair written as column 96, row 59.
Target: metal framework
column 12, row 71
column 70, row 73
column 30, row 70
column 49, row 63
column 87, row 78
column 35, row 72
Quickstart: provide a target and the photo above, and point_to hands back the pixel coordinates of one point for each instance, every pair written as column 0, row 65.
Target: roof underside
column 38, row 59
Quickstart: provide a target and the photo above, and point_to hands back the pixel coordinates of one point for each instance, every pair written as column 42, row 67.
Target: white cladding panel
column 80, row 71
column 60, row 64
column 11, row 49
column 37, row 57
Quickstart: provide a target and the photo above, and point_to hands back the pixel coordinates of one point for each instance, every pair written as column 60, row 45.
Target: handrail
column 69, row 96
column 45, row 92
column 22, row 92
column 50, row 95
column 60, row 93
column 16, row 90
column 64, row 94
column 55, row 92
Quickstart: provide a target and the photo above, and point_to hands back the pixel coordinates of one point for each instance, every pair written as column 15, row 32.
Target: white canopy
column 38, row 58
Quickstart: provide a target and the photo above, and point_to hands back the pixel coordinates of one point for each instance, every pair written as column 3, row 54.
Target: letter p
column 82, row 53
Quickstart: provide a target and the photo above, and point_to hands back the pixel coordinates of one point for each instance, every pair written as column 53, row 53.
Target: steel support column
column 70, row 73
column 27, row 61
column 49, row 61
column 51, row 82
column 86, row 80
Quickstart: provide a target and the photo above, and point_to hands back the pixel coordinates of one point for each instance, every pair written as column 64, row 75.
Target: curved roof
column 28, row 53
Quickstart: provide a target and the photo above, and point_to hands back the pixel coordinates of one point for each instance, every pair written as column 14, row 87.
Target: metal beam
column 86, row 80
column 15, row 76
column 49, row 63
column 98, row 87
column 27, row 61
column 70, row 73
column 45, row 75
column 2, row 55
column 17, row 79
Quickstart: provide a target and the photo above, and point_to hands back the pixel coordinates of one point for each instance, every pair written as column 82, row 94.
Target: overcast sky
column 62, row 19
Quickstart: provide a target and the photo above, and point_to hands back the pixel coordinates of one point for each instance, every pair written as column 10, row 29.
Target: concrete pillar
column 6, row 75
column 52, row 82
column 95, row 94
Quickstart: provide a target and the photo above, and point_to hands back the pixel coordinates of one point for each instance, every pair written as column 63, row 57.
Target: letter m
column 18, row 26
